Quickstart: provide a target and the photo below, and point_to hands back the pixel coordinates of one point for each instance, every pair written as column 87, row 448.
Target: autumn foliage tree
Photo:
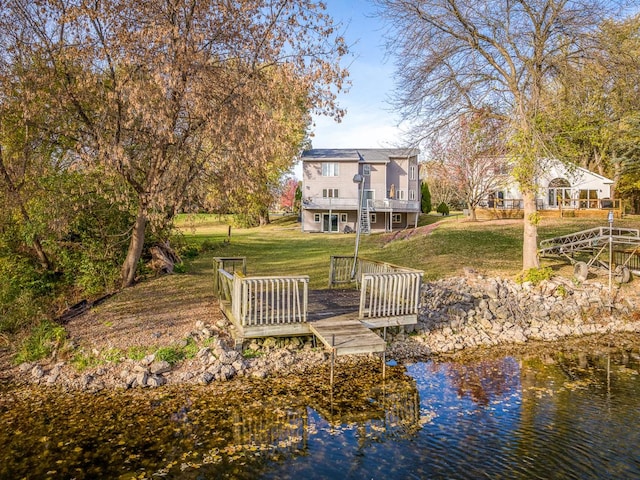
column 471, row 155
column 160, row 93
column 288, row 194
column 456, row 57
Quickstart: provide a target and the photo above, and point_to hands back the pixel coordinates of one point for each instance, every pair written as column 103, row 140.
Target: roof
column 365, row 155
column 604, row 180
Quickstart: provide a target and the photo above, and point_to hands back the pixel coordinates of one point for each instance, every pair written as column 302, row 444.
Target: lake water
column 561, row 416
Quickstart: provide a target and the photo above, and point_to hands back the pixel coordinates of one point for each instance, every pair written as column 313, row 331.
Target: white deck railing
column 386, row 290
column 228, row 266
column 390, row 294
column 340, row 269
column 270, row 300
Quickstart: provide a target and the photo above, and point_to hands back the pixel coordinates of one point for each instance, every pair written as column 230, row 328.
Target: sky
column 369, row 121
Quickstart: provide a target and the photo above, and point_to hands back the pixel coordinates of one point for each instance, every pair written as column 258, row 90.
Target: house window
column 366, row 170
column 412, row 172
column 343, row 217
column 400, row 194
column 330, row 170
column 412, row 194
column 397, row 218
column 373, row 218
column 329, row 193
column 588, row 199
column 316, row 217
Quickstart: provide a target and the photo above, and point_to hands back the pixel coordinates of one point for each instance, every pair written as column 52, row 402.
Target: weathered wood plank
column 395, row 321
column 346, row 335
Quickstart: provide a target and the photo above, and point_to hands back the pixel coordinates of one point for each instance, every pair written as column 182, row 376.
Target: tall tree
column 425, row 202
column 288, row 193
column 441, row 185
column 472, row 155
column 460, row 56
column 249, row 176
column 596, row 104
column 161, row 87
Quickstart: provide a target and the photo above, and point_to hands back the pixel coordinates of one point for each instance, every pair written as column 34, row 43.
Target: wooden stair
column 346, row 335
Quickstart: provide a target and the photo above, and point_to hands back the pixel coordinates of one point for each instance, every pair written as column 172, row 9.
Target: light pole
column 359, row 179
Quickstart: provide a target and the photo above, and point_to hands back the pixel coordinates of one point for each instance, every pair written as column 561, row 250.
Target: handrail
column 225, row 285
column 229, row 265
column 340, row 269
column 270, row 300
column 388, row 294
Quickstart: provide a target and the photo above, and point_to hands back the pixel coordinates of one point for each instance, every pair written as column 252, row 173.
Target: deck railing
column 387, row 290
column 224, row 285
column 270, row 300
column 228, row 265
column 387, row 294
column 260, row 301
column 341, row 267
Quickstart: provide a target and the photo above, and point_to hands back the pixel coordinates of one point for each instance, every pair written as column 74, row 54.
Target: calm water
column 558, row 417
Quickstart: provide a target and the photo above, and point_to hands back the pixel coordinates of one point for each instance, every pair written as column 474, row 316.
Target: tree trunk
column 13, row 190
column 530, row 237
column 130, row 265
column 472, row 214
column 263, row 217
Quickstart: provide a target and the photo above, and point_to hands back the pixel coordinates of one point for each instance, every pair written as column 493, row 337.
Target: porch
column 265, row 306
column 513, row 208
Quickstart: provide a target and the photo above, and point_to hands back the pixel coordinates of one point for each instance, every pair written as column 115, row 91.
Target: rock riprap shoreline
column 457, row 313
column 473, row 311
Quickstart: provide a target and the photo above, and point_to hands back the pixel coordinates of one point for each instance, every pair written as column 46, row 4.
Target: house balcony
column 393, row 205
column 386, row 205
column 321, row 203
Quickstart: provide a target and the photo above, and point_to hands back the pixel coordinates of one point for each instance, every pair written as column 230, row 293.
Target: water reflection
column 562, row 416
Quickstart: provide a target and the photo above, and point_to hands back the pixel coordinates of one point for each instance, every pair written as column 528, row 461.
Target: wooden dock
column 347, row 335
column 342, row 319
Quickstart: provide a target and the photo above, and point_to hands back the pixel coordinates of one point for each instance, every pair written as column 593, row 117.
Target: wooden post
column 384, row 354
column 333, row 356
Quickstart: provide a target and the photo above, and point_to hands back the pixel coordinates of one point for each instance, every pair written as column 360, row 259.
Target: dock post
column 384, row 354
column 333, row 356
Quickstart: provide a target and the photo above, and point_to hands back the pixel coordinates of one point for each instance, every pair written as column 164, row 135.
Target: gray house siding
column 330, row 197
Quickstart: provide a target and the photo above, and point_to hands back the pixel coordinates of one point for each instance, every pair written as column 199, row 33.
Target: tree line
column 522, row 80
column 115, row 116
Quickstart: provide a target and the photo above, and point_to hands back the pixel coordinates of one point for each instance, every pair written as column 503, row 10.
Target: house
column 383, row 182
column 560, row 187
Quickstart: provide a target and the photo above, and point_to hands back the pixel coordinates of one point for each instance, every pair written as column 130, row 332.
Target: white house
column 560, row 187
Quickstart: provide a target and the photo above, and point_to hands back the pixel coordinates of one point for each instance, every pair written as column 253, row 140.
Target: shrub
column 81, row 361
column 172, row 355
column 207, row 246
column 43, row 340
column 425, row 203
column 443, row 208
column 535, row 275
column 137, row 353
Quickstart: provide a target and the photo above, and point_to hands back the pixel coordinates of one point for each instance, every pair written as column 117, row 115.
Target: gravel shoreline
column 459, row 315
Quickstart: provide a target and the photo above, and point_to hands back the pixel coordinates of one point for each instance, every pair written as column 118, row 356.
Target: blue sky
column 369, row 122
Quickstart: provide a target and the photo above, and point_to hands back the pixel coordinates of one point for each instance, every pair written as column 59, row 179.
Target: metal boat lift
column 584, row 250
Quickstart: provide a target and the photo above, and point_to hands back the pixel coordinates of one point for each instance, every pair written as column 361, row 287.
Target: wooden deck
column 341, row 319
column 347, row 335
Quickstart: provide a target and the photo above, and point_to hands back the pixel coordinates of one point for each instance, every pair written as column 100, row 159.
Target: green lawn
column 281, row 248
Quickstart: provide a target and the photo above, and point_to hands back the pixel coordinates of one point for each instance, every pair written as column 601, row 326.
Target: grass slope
column 281, row 248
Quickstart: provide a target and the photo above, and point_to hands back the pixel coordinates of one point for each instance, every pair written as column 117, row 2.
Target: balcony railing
column 392, row 204
column 568, row 203
column 352, row 204
column 327, row 203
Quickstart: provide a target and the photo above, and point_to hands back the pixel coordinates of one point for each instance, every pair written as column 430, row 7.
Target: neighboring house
column 559, row 187
column 389, row 193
